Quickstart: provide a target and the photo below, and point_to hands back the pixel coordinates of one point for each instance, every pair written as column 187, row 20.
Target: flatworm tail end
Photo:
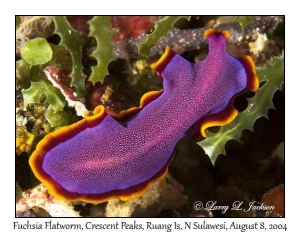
column 53, row 139
column 59, row 192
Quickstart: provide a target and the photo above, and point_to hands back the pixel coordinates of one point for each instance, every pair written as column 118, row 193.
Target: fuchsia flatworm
column 103, row 156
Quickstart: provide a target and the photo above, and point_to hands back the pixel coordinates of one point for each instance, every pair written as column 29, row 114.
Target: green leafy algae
column 44, row 88
column 56, row 119
column 273, row 76
column 36, row 51
column 162, row 27
column 102, row 32
column 243, row 20
column 69, row 38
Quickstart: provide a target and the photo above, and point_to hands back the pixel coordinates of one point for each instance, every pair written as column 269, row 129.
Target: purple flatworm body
column 102, row 157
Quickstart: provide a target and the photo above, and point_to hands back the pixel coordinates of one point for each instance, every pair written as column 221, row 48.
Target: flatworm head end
column 247, row 62
column 215, row 32
column 228, row 114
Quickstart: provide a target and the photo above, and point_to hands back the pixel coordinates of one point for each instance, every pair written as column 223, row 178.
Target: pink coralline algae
column 131, row 26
